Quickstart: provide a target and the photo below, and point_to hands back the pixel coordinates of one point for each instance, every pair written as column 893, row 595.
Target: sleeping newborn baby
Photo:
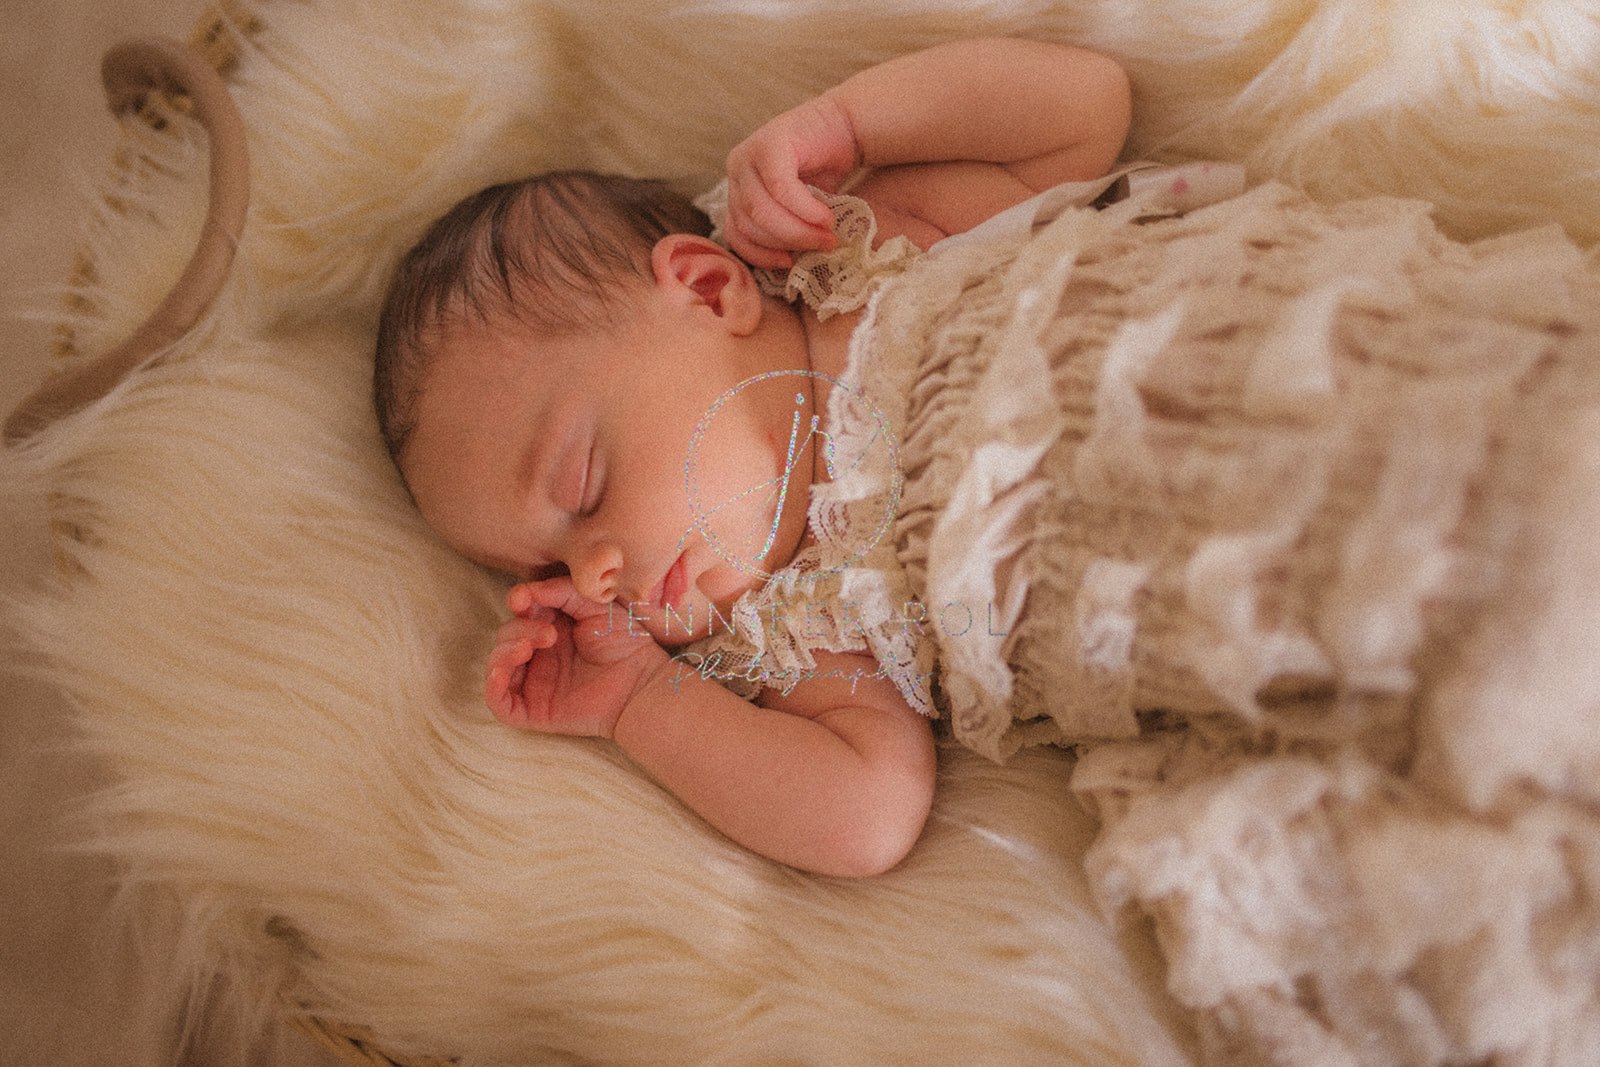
column 1281, row 513
column 582, row 389
column 1267, row 491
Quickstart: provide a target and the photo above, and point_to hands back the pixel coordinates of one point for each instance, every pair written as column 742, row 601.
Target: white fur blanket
column 279, row 665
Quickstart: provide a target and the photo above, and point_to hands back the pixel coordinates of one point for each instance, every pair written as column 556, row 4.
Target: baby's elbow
column 881, row 853
column 868, row 852
column 884, row 833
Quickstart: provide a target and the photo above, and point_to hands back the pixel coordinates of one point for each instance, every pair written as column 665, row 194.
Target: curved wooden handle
column 131, row 71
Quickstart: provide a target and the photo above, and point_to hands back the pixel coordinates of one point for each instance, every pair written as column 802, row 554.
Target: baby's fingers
column 784, row 209
column 542, row 599
column 541, row 631
column 795, row 198
column 767, row 225
column 772, row 243
column 768, row 166
column 757, row 255
column 503, row 682
column 507, row 670
column 522, row 597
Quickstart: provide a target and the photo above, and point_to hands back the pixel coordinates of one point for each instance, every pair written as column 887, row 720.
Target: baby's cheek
column 742, row 523
column 722, row 585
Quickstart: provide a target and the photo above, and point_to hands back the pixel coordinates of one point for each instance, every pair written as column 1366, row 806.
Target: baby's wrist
column 648, row 663
column 837, row 111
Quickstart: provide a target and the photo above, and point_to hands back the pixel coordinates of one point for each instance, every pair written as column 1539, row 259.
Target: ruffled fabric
column 849, row 592
column 1283, row 515
column 836, row 596
column 1287, row 514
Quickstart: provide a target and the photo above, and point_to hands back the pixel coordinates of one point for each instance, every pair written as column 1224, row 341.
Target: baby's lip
column 669, row 590
column 674, row 583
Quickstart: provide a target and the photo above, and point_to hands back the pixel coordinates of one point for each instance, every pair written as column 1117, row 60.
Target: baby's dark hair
column 545, row 250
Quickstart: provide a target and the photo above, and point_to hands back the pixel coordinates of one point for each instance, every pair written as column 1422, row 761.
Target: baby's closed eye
column 592, row 492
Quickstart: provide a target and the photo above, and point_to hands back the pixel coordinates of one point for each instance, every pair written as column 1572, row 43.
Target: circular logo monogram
column 881, row 451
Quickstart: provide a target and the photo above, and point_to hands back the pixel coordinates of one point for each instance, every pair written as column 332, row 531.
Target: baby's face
column 633, row 460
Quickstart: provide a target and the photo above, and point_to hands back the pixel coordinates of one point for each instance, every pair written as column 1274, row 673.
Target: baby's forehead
column 470, row 361
column 480, row 359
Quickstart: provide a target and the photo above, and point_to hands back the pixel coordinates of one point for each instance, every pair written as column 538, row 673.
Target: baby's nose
column 597, row 575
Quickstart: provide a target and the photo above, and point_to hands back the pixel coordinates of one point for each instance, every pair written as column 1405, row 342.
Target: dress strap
column 1150, row 190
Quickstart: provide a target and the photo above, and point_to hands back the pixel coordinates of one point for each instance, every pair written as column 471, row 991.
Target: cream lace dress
column 1285, row 513
column 848, row 591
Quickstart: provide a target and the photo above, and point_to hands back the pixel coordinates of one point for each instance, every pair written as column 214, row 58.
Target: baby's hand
column 560, row 667
column 770, row 210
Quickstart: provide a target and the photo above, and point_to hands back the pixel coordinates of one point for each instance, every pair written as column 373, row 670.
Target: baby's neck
column 823, row 350
column 797, row 340
column 828, row 352
column 827, row 344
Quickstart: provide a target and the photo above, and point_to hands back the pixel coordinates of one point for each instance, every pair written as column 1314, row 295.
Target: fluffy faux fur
column 279, row 664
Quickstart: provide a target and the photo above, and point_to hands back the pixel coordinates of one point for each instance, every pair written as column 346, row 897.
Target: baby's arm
column 834, row 778
column 831, row 779
column 959, row 132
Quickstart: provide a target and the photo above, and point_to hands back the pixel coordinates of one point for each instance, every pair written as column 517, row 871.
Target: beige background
column 57, row 1009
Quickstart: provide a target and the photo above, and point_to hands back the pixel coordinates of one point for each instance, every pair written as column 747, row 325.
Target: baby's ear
column 704, row 273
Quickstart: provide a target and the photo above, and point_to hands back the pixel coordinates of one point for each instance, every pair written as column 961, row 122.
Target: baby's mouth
column 670, row 589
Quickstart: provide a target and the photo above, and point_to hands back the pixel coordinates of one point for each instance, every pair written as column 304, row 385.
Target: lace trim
column 830, row 283
column 847, row 592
